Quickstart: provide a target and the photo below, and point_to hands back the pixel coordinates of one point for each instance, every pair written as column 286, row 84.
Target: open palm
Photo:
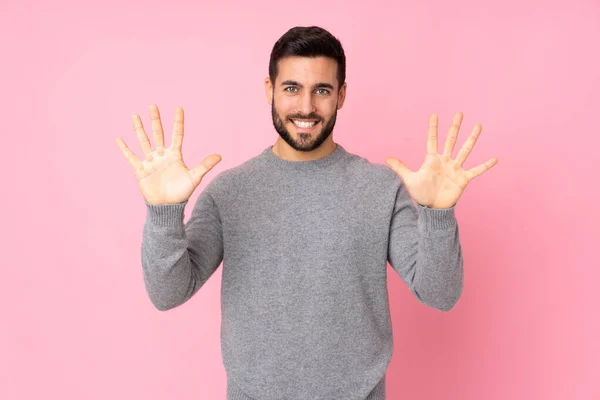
column 440, row 181
column 162, row 175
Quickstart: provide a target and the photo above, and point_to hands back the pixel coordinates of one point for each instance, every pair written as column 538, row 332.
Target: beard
column 303, row 143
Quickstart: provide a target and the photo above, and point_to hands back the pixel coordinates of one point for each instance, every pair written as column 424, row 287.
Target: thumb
column 206, row 165
column 398, row 166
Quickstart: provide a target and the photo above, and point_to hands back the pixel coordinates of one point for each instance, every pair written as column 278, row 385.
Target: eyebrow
column 317, row 85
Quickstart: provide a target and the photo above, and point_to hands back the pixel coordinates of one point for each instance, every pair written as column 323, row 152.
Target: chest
column 304, row 220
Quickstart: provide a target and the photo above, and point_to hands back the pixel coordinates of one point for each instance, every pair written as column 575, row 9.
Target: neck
column 286, row 152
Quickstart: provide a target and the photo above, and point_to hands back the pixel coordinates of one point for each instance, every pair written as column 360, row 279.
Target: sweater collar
column 274, row 160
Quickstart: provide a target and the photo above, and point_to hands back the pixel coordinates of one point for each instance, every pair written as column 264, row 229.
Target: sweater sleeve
column 178, row 258
column 424, row 249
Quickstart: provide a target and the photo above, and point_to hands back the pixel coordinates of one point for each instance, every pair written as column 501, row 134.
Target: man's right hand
column 162, row 175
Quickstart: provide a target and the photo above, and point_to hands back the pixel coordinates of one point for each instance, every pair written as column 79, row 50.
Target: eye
column 290, row 87
column 324, row 90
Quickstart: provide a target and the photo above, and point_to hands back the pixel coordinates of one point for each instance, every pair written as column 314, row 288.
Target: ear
column 342, row 96
column 269, row 90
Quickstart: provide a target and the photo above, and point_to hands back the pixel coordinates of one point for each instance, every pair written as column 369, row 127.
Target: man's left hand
column 440, row 181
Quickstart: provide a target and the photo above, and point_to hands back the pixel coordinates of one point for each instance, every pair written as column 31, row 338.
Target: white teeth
column 302, row 124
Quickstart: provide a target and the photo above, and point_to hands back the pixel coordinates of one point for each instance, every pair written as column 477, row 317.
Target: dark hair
column 308, row 41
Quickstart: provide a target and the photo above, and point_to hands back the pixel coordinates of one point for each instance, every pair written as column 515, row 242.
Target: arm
column 424, row 249
column 178, row 259
column 424, row 242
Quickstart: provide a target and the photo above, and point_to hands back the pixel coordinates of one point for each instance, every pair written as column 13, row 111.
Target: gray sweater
column 304, row 247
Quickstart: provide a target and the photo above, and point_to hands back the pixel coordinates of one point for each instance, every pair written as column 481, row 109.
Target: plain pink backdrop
column 77, row 322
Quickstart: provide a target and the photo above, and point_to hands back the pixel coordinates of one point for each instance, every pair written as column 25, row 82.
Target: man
column 304, row 231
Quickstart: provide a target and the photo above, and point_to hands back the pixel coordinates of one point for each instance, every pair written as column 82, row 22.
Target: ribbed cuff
column 166, row 214
column 436, row 219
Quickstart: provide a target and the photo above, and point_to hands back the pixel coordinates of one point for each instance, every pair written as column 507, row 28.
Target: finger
column 453, row 134
column 432, row 142
column 466, row 148
column 206, row 165
column 398, row 167
column 177, row 139
column 159, row 137
column 129, row 155
column 141, row 135
column 480, row 169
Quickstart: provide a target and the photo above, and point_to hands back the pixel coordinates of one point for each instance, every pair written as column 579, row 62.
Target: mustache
column 299, row 116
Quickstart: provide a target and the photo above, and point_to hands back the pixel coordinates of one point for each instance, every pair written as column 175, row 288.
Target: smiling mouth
column 304, row 124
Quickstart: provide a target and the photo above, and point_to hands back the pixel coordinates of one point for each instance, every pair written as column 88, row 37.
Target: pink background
column 77, row 322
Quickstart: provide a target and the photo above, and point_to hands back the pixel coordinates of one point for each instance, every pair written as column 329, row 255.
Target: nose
column 306, row 105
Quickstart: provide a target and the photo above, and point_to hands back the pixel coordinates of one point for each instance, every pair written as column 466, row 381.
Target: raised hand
column 440, row 181
column 162, row 175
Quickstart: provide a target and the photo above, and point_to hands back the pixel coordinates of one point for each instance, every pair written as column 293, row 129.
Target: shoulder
column 374, row 172
column 229, row 181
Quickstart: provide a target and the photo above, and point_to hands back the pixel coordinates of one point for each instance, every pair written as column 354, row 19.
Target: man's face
column 304, row 100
